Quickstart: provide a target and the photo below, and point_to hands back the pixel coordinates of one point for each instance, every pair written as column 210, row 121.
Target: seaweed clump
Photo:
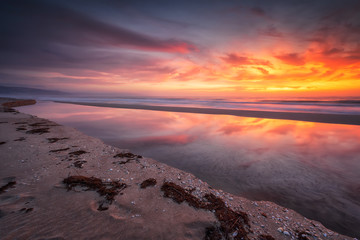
column 42, row 124
column 130, row 156
column 302, row 235
column 234, row 224
column 79, row 164
column 10, row 184
column 54, row 140
column 1, row 143
column 20, row 139
column 266, row 237
column 26, row 210
column 59, row 150
column 106, row 189
column 127, row 155
column 38, row 131
column 148, row 182
column 77, row 153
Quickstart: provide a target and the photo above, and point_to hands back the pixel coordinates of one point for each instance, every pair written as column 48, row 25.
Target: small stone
column 235, row 234
column 280, row 229
column 286, row 233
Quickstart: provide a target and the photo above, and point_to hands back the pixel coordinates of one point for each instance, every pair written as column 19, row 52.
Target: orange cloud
column 292, row 59
column 234, row 59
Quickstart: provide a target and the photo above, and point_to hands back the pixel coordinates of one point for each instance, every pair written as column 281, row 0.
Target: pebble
column 280, row 229
column 286, row 233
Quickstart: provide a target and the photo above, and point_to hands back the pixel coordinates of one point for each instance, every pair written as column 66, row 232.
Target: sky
column 197, row 48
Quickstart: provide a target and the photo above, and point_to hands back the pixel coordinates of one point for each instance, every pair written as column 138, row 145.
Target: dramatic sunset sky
column 197, row 48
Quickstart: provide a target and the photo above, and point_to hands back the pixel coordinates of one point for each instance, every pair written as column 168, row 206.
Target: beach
column 58, row 183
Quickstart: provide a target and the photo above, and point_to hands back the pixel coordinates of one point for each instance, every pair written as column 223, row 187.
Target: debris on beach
column 54, row 140
column 148, row 182
column 20, row 139
column 266, row 237
column 1, row 143
column 38, row 131
column 106, row 189
column 79, row 164
column 21, row 129
column 10, row 184
column 127, row 155
column 26, row 210
column 77, row 153
column 59, row 150
column 43, row 124
column 235, row 224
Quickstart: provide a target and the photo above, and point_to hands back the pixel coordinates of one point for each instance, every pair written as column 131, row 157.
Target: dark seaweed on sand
column 266, row 237
column 38, row 131
column 77, row 153
column 54, row 140
column 79, row 164
column 106, row 189
column 43, row 124
column 20, row 139
column 59, row 150
column 127, row 155
column 26, row 210
column 7, row 186
column 148, row 182
column 1, row 143
column 232, row 223
column 302, row 235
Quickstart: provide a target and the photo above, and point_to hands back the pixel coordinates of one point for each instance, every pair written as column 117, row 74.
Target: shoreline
column 297, row 116
column 39, row 155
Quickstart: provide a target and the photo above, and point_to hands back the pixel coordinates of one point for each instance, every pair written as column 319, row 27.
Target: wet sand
column 57, row 183
column 309, row 117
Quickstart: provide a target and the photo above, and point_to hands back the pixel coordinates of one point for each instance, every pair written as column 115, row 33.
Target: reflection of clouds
column 151, row 141
column 283, row 129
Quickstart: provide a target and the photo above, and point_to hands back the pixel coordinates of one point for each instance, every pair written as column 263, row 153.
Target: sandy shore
column 57, row 183
column 310, row 117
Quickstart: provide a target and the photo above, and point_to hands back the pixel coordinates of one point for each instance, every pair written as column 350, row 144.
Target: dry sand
column 35, row 203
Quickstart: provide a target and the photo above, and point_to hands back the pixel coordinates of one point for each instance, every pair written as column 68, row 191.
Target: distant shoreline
column 297, row 116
